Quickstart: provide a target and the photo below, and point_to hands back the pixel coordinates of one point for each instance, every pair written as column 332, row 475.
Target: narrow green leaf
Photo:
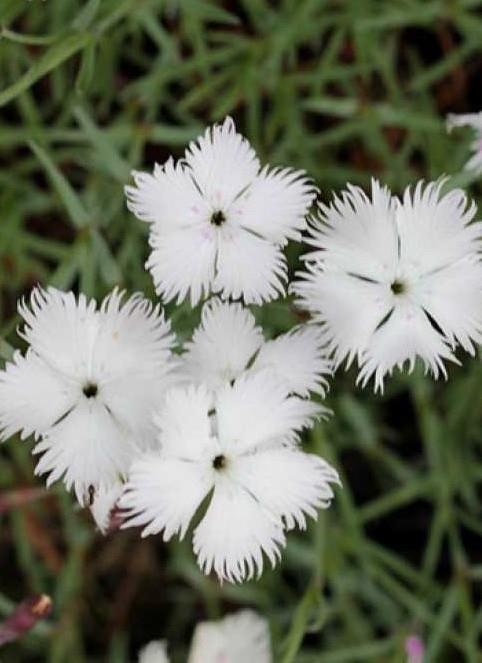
column 366, row 651
column 31, row 40
column 51, row 59
column 86, row 69
column 111, row 159
column 107, row 265
column 70, row 199
column 86, row 16
column 444, row 620
column 300, row 621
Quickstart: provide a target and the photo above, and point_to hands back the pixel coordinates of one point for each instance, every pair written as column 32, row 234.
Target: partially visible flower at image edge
column 218, row 221
column 474, row 121
column 390, row 280
column 242, row 637
column 87, row 385
column 243, row 451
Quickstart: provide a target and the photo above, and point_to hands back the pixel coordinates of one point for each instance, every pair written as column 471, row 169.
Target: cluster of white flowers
column 123, row 420
column 238, row 638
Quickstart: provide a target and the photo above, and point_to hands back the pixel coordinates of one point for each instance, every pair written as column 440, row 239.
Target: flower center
column 398, row 287
column 219, row 462
column 217, row 218
column 90, row 390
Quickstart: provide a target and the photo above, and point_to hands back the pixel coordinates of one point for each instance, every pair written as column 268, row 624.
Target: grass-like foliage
column 91, row 89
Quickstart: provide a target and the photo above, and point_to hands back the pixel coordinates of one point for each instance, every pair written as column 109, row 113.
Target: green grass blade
column 50, row 60
column 70, row 199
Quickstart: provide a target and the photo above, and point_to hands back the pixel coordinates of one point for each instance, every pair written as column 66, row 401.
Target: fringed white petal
column 86, row 448
column 298, row 360
column 356, row 234
column 32, row 396
column 60, row 329
column 348, row 309
column 276, row 204
column 163, row 493
column 182, row 263
column 436, row 230
column 453, row 297
column 133, row 337
column 257, row 410
column 288, row 482
column 222, row 163
column 235, row 533
column 406, row 335
column 104, row 502
column 222, row 345
column 132, row 358
column 169, row 198
column 249, row 267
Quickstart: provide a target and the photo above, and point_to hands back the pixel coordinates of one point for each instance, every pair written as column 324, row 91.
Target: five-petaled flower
column 218, row 221
column 86, row 385
column 243, row 451
column 391, row 280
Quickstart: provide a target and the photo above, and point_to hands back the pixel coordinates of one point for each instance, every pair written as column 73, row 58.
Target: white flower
column 239, row 638
column 242, row 450
column 219, row 221
column 473, row 120
column 87, row 385
column 242, row 637
column 392, row 280
column 154, row 652
column 228, row 342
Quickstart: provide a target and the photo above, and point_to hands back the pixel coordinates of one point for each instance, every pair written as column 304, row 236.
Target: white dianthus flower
column 242, row 450
column 87, row 385
column 242, row 637
column 228, row 342
column 391, row 280
column 473, row 120
column 219, row 221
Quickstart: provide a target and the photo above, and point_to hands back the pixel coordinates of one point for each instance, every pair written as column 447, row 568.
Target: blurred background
column 347, row 90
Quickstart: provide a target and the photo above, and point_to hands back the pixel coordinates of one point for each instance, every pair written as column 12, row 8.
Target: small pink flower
column 415, row 649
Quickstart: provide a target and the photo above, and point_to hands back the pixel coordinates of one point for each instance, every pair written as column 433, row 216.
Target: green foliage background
column 344, row 89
